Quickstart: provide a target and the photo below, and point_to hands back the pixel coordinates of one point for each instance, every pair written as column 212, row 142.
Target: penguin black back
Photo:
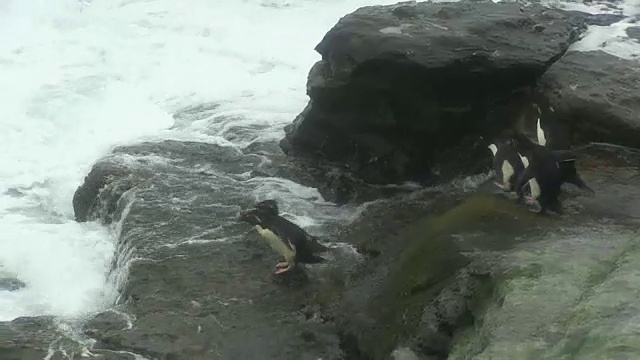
column 269, row 206
column 550, row 132
column 554, row 135
column 265, row 214
column 544, row 166
column 506, row 164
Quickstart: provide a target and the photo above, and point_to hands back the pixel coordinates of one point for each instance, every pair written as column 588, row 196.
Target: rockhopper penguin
column 534, row 187
column 283, row 236
column 554, row 135
column 506, row 164
column 543, row 165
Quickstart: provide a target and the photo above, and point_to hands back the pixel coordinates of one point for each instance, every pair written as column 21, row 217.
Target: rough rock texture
column 633, row 32
column 596, row 95
column 439, row 263
column 95, row 199
column 201, row 284
column 434, row 267
column 403, row 91
column 420, row 289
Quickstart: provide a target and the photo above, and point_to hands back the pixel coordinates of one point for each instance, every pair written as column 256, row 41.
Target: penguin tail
column 316, row 246
column 581, row 184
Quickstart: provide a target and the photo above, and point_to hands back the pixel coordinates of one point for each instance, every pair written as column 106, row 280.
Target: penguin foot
column 283, row 269
column 501, row 186
column 280, row 265
column 531, row 201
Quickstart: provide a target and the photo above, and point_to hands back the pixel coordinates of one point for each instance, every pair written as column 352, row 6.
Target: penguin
column 542, row 172
column 554, row 135
column 549, row 131
column 283, row 236
column 271, row 206
column 534, row 186
column 506, row 164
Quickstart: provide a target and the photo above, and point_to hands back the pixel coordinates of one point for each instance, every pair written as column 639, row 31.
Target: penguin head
column 269, row 206
column 261, row 212
column 251, row 216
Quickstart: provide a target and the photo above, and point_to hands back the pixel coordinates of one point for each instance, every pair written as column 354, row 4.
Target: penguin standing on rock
column 543, row 166
column 506, row 164
column 554, row 135
column 283, row 236
column 534, row 187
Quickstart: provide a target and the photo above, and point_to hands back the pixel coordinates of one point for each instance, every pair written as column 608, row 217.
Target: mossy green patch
column 430, row 257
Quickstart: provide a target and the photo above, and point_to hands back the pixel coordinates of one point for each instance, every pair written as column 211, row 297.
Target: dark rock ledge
column 434, row 262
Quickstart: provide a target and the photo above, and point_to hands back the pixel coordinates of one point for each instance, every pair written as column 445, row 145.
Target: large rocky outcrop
column 454, row 276
column 403, row 91
column 596, row 96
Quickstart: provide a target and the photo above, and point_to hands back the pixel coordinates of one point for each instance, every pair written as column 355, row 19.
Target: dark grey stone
column 597, row 95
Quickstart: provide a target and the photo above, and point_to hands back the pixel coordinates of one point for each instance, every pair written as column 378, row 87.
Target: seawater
column 80, row 77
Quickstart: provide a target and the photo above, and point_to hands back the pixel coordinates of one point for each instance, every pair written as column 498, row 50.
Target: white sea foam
column 79, row 77
column 612, row 39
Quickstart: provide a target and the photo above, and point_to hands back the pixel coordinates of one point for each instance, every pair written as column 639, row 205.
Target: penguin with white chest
column 550, row 132
column 506, row 164
column 534, row 187
column 554, row 135
column 542, row 172
column 286, row 238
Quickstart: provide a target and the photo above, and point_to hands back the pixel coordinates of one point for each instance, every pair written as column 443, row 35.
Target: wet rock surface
column 633, row 32
column 403, row 91
column 200, row 284
column 462, row 279
column 27, row 338
column 597, row 96
column 440, row 272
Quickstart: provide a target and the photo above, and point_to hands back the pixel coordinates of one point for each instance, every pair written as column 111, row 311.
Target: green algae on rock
column 391, row 301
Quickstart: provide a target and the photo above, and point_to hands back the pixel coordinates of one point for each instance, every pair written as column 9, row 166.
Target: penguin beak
column 244, row 215
column 250, row 216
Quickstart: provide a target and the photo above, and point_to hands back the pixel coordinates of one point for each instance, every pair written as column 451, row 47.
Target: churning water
column 79, row 77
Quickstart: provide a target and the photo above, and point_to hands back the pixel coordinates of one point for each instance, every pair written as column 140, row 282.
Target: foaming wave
column 302, row 205
column 62, row 265
column 612, row 39
column 63, row 110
